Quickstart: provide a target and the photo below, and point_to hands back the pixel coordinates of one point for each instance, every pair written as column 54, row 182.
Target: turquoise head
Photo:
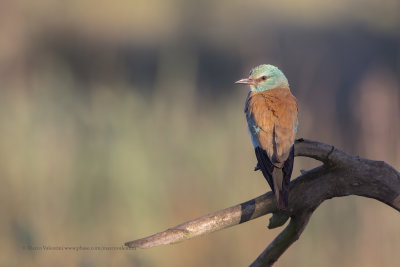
column 265, row 77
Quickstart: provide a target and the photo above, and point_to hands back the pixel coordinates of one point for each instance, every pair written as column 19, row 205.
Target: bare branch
column 209, row 223
column 340, row 175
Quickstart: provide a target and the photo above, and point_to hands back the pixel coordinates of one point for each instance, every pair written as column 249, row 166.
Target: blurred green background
column 120, row 119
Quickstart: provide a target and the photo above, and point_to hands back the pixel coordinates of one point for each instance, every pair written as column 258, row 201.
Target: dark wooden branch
column 340, row 175
column 286, row 238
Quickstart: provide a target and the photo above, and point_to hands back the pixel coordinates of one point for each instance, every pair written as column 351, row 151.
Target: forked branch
column 340, row 175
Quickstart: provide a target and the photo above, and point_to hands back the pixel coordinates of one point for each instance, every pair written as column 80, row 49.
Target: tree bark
column 340, row 175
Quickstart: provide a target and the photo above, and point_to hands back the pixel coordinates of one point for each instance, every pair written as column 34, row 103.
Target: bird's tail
column 281, row 191
column 277, row 178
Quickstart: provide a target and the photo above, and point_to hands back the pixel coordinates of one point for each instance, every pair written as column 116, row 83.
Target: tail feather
column 287, row 173
column 281, row 194
column 277, row 178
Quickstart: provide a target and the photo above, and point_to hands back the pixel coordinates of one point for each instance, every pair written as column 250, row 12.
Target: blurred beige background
column 120, row 119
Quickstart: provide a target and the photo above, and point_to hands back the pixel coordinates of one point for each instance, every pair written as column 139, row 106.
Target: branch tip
column 278, row 219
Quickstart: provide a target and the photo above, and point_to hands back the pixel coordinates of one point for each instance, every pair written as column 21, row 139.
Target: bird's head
column 265, row 77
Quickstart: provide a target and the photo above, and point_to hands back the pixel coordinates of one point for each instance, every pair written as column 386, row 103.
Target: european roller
column 271, row 112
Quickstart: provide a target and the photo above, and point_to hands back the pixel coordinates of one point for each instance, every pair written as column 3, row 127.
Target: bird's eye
column 264, row 78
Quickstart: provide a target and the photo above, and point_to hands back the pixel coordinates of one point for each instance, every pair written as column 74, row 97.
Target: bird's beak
column 246, row 81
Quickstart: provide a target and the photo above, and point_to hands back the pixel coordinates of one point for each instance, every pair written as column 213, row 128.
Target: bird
column 272, row 117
